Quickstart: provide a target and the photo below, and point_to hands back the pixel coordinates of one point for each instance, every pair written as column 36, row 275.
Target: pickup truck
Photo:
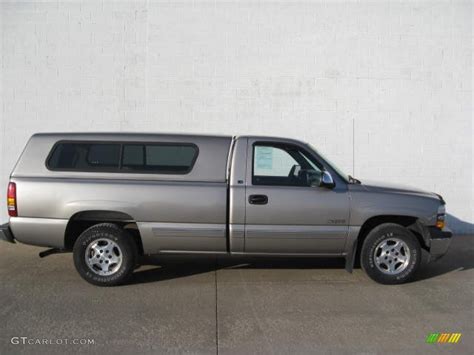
column 113, row 197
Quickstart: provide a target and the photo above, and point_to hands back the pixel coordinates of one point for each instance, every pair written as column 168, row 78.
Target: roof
column 127, row 134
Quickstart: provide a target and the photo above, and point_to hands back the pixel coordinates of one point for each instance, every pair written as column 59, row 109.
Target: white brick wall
column 383, row 88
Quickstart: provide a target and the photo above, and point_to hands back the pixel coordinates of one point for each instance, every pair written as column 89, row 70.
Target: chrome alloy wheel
column 103, row 257
column 392, row 256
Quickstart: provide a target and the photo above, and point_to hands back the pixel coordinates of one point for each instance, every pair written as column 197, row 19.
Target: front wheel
column 391, row 254
column 105, row 255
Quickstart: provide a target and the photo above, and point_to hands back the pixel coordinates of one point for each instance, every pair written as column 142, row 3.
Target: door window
column 284, row 165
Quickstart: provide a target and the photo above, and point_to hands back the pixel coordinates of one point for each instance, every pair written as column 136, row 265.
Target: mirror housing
column 327, row 180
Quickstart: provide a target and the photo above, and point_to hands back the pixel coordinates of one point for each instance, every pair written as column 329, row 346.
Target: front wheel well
column 371, row 223
column 81, row 221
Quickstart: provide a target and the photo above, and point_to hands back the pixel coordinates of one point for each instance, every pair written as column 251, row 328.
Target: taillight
column 11, row 200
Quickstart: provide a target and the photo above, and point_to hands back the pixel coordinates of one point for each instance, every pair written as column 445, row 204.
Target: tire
column 105, row 255
column 391, row 254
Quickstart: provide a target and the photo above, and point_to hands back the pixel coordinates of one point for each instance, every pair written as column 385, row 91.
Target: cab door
column 287, row 211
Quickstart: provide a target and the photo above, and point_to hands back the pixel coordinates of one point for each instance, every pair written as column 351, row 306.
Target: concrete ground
column 234, row 306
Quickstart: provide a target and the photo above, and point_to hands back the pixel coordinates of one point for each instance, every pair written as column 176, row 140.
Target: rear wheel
column 105, row 255
column 391, row 254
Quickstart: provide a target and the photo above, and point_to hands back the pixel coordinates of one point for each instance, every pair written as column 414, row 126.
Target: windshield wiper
column 353, row 180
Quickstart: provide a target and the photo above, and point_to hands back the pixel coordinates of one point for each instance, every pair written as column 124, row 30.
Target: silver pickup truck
column 111, row 197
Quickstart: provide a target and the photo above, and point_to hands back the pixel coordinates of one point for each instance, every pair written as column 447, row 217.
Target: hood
column 376, row 186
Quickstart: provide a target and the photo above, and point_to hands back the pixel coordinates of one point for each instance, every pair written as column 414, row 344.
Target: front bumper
column 440, row 240
column 6, row 234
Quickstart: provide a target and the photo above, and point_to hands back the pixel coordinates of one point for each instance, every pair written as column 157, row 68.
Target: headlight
column 440, row 218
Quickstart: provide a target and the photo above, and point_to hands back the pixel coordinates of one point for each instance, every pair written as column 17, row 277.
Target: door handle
column 258, row 199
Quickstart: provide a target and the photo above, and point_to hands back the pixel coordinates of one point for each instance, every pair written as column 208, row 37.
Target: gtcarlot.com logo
column 46, row 341
column 443, row 338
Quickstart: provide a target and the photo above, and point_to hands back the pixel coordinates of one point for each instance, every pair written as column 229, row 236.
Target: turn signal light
column 440, row 218
column 11, row 200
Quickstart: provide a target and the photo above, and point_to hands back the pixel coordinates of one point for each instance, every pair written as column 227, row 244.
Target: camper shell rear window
column 123, row 157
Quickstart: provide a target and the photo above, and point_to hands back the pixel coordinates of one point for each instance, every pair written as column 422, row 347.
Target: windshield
column 338, row 171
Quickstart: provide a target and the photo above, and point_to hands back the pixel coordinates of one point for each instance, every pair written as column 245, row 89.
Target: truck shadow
column 161, row 268
column 460, row 257
column 458, row 225
column 171, row 267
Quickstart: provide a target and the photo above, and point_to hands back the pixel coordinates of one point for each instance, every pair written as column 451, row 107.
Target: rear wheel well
column 371, row 223
column 80, row 221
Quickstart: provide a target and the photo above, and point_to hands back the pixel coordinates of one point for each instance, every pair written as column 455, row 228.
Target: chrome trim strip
column 329, row 255
column 188, row 230
column 192, row 252
column 295, row 232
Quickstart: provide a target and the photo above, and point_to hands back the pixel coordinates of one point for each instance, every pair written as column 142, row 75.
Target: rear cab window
column 157, row 158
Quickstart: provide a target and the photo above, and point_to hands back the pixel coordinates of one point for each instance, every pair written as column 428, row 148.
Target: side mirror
column 327, row 180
